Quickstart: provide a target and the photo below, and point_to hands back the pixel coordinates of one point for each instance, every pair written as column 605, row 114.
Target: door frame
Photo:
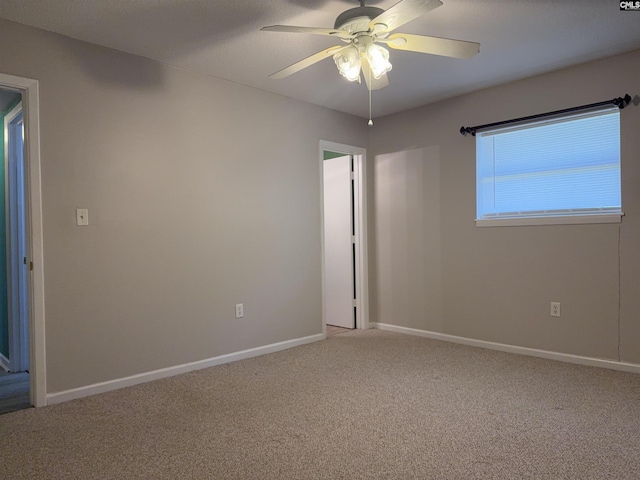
column 16, row 241
column 33, row 227
column 360, row 219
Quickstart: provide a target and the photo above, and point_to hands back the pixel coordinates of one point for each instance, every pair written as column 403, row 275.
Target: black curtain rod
column 619, row 102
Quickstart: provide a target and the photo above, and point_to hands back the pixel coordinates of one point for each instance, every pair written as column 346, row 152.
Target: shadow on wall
column 407, row 250
column 112, row 68
column 172, row 29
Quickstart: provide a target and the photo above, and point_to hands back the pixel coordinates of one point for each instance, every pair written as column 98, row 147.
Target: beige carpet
column 361, row 405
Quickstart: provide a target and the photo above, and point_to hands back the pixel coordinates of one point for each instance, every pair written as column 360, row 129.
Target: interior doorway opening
column 344, row 238
column 24, row 240
column 14, row 323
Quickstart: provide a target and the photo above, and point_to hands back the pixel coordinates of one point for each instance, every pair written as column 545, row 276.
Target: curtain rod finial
column 622, row 102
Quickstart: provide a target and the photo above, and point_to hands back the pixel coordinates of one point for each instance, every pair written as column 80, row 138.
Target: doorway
column 14, row 325
column 344, row 252
column 22, row 350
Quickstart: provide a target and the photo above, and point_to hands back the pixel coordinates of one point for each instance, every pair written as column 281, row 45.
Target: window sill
column 558, row 220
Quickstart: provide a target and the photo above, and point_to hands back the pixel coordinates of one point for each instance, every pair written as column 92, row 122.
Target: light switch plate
column 82, row 216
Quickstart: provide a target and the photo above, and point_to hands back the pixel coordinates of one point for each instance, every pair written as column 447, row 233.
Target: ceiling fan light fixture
column 378, row 58
column 348, row 63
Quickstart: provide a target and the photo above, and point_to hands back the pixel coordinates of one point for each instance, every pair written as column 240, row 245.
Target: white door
column 338, row 244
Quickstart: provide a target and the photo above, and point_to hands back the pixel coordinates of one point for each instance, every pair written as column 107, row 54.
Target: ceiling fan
column 363, row 29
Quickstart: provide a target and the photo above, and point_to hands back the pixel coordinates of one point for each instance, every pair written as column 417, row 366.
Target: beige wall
column 497, row 283
column 201, row 194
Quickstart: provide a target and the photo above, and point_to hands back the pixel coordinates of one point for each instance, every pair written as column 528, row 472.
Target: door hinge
column 31, row 266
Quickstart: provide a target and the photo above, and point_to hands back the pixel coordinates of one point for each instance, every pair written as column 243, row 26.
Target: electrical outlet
column 239, row 310
column 555, row 309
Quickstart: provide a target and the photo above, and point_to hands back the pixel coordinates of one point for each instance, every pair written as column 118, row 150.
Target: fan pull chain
column 370, row 123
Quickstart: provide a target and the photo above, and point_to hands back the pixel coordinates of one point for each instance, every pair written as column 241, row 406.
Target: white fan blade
column 306, row 62
column 402, row 12
column 432, row 45
column 372, row 82
column 331, row 32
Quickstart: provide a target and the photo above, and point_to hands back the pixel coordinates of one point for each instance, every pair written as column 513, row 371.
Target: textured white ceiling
column 518, row 38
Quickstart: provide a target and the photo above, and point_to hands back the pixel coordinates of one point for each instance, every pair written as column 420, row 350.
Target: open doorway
column 14, row 323
column 344, row 253
column 24, row 271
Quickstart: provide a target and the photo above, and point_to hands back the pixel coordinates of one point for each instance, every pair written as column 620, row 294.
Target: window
column 560, row 170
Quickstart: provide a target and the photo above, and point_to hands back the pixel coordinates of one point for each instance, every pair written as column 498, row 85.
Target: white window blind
column 567, row 166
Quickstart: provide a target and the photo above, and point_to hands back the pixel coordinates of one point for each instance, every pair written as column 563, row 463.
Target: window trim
column 555, row 220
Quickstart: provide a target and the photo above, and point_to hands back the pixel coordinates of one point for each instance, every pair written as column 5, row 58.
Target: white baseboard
column 532, row 352
column 64, row 396
column 4, row 362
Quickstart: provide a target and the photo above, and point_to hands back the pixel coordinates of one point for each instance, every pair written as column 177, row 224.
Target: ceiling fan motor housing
column 357, row 19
